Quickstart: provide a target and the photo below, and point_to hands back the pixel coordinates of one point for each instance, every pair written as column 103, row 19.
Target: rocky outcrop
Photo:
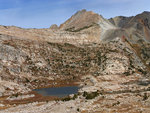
column 36, row 64
column 136, row 27
column 109, row 59
column 54, row 27
column 26, row 54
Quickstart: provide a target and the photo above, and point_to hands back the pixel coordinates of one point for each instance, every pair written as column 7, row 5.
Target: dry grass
column 36, row 98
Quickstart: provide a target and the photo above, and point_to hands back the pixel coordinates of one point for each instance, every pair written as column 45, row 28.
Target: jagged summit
column 136, row 27
column 122, row 21
column 88, row 21
column 80, row 20
column 146, row 12
column 54, row 27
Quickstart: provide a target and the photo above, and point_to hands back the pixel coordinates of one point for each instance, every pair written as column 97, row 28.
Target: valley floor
column 126, row 94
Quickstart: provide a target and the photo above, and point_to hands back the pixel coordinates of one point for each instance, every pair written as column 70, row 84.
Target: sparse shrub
column 66, row 99
column 70, row 98
column 27, row 80
column 143, row 72
column 126, row 73
column 16, row 95
column 145, row 97
column 74, row 77
column 91, row 95
column 78, row 109
column 117, row 103
column 72, row 29
column 85, row 94
column 75, row 96
column 46, row 101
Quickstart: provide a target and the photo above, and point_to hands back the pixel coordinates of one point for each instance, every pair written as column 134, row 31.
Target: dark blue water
column 58, row 91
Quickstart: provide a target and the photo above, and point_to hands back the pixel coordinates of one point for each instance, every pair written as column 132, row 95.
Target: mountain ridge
column 85, row 22
column 108, row 59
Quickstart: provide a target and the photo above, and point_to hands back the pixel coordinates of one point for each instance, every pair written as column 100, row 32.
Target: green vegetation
column 27, row 80
column 126, row 73
column 70, row 98
column 145, row 97
column 90, row 95
column 15, row 95
column 117, row 103
column 66, row 98
column 142, row 71
column 77, row 30
column 78, row 109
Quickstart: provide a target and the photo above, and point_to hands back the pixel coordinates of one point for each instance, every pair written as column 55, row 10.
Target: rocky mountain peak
column 146, row 12
column 80, row 20
column 54, row 27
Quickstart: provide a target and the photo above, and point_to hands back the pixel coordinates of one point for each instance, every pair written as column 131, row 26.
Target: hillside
column 108, row 59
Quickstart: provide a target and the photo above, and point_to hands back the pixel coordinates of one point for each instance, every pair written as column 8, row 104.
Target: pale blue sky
column 43, row 13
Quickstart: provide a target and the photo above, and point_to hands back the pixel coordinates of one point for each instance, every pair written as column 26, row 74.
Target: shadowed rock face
column 137, row 27
column 137, row 32
column 120, row 21
column 146, row 29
